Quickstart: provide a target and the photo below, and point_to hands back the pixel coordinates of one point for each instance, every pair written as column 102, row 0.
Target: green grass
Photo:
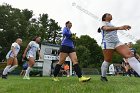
column 116, row 84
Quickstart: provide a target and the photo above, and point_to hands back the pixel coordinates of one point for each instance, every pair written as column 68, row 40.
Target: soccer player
column 111, row 43
column 30, row 53
column 11, row 57
column 68, row 49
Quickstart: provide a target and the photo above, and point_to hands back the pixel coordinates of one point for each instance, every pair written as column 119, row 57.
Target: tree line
column 16, row 23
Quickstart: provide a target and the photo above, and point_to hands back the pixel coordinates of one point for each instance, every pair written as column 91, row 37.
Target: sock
column 57, row 69
column 77, row 70
column 12, row 68
column 104, row 68
column 28, row 71
column 6, row 69
column 134, row 63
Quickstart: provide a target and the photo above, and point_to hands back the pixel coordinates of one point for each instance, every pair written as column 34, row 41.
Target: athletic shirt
column 16, row 47
column 33, row 48
column 67, row 41
column 109, row 36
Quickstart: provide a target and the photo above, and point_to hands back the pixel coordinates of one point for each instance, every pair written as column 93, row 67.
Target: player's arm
column 38, row 51
column 66, row 32
column 39, row 54
column 13, row 50
column 112, row 28
column 27, row 48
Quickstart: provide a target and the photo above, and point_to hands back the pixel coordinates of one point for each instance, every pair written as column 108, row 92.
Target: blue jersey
column 67, row 41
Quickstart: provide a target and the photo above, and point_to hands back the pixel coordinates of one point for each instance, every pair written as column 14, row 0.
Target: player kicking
column 111, row 43
column 30, row 53
column 11, row 57
column 68, row 49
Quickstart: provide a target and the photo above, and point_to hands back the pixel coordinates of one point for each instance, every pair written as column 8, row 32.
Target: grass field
column 116, row 84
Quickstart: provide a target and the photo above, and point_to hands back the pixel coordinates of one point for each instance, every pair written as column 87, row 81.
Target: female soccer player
column 12, row 62
column 111, row 43
column 30, row 52
column 68, row 49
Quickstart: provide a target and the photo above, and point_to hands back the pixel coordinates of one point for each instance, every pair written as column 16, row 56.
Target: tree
column 54, row 32
column 96, row 56
column 83, row 55
column 15, row 23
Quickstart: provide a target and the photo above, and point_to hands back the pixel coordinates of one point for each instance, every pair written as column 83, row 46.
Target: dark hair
column 103, row 19
column 34, row 39
column 67, row 23
column 99, row 30
column 104, row 16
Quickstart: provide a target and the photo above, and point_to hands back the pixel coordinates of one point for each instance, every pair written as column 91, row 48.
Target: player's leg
column 108, row 53
column 15, row 65
column 108, row 50
column 62, row 58
column 126, row 53
column 9, row 64
column 77, row 68
column 21, row 73
column 31, row 63
column 127, row 69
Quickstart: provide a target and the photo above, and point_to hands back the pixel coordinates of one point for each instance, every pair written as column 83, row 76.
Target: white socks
column 134, row 63
column 28, row 71
column 104, row 68
column 12, row 68
column 6, row 70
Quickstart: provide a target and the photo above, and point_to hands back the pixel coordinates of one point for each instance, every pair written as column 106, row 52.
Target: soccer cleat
column 104, row 79
column 84, row 79
column 55, row 79
column 4, row 76
column 26, row 77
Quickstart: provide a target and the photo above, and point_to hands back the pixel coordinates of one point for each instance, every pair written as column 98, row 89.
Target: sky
column 85, row 15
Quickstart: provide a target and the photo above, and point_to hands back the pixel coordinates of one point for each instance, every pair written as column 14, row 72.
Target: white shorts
column 110, row 45
column 7, row 57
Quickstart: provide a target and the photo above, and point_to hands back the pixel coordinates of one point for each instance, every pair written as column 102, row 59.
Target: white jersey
column 109, row 36
column 34, row 47
column 16, row 47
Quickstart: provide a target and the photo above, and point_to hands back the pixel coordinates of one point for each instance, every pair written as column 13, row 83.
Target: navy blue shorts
column 67, row 49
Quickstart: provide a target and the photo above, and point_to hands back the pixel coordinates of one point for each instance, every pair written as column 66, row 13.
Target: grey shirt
column 108, row 36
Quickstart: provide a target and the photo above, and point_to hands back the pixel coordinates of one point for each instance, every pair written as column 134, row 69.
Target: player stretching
column 30, row 52
column 111, row 43
column 11, row 57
